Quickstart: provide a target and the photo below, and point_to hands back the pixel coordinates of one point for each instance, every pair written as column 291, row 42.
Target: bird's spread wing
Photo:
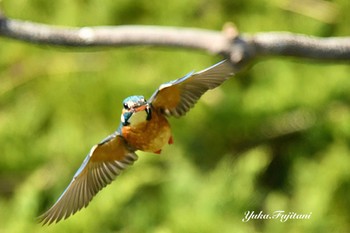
column 101, row 166
column 176, row 97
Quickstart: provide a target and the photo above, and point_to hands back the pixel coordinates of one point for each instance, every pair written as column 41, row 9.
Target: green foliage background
column 275, row 137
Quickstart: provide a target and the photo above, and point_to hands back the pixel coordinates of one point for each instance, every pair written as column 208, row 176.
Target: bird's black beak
column 149, row 112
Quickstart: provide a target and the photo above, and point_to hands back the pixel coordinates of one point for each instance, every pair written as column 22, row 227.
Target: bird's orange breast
column 149, row 135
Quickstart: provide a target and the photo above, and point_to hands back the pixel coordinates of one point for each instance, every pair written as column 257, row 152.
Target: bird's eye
column 126, row 106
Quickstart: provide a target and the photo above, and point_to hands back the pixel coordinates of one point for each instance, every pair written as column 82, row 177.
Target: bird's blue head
column 132, row 106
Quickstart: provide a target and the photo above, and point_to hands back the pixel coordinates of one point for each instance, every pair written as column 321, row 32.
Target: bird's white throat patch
column 137, row 117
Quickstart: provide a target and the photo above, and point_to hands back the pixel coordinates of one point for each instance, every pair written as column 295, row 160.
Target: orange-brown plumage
column 149, row 135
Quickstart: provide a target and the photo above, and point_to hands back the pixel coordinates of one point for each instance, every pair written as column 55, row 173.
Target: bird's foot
column 171, row 140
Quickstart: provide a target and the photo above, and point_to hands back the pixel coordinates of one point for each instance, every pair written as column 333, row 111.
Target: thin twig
column 296, row 45
column 118, row 36
column 240, row 48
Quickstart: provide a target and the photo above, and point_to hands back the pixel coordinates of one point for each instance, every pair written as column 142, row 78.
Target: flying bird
column 144, row 126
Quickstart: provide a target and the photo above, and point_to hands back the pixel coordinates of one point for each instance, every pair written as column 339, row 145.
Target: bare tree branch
column 288, row 44
column 111, row 35
column 240, row 48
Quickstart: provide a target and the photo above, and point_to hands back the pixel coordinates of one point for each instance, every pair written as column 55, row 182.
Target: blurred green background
column 275, row 137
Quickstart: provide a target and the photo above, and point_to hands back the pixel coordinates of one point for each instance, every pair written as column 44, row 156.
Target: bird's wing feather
column 176, row 97
column 101, row 166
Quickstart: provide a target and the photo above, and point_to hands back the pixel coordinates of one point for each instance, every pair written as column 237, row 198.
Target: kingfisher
column 144, row 126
